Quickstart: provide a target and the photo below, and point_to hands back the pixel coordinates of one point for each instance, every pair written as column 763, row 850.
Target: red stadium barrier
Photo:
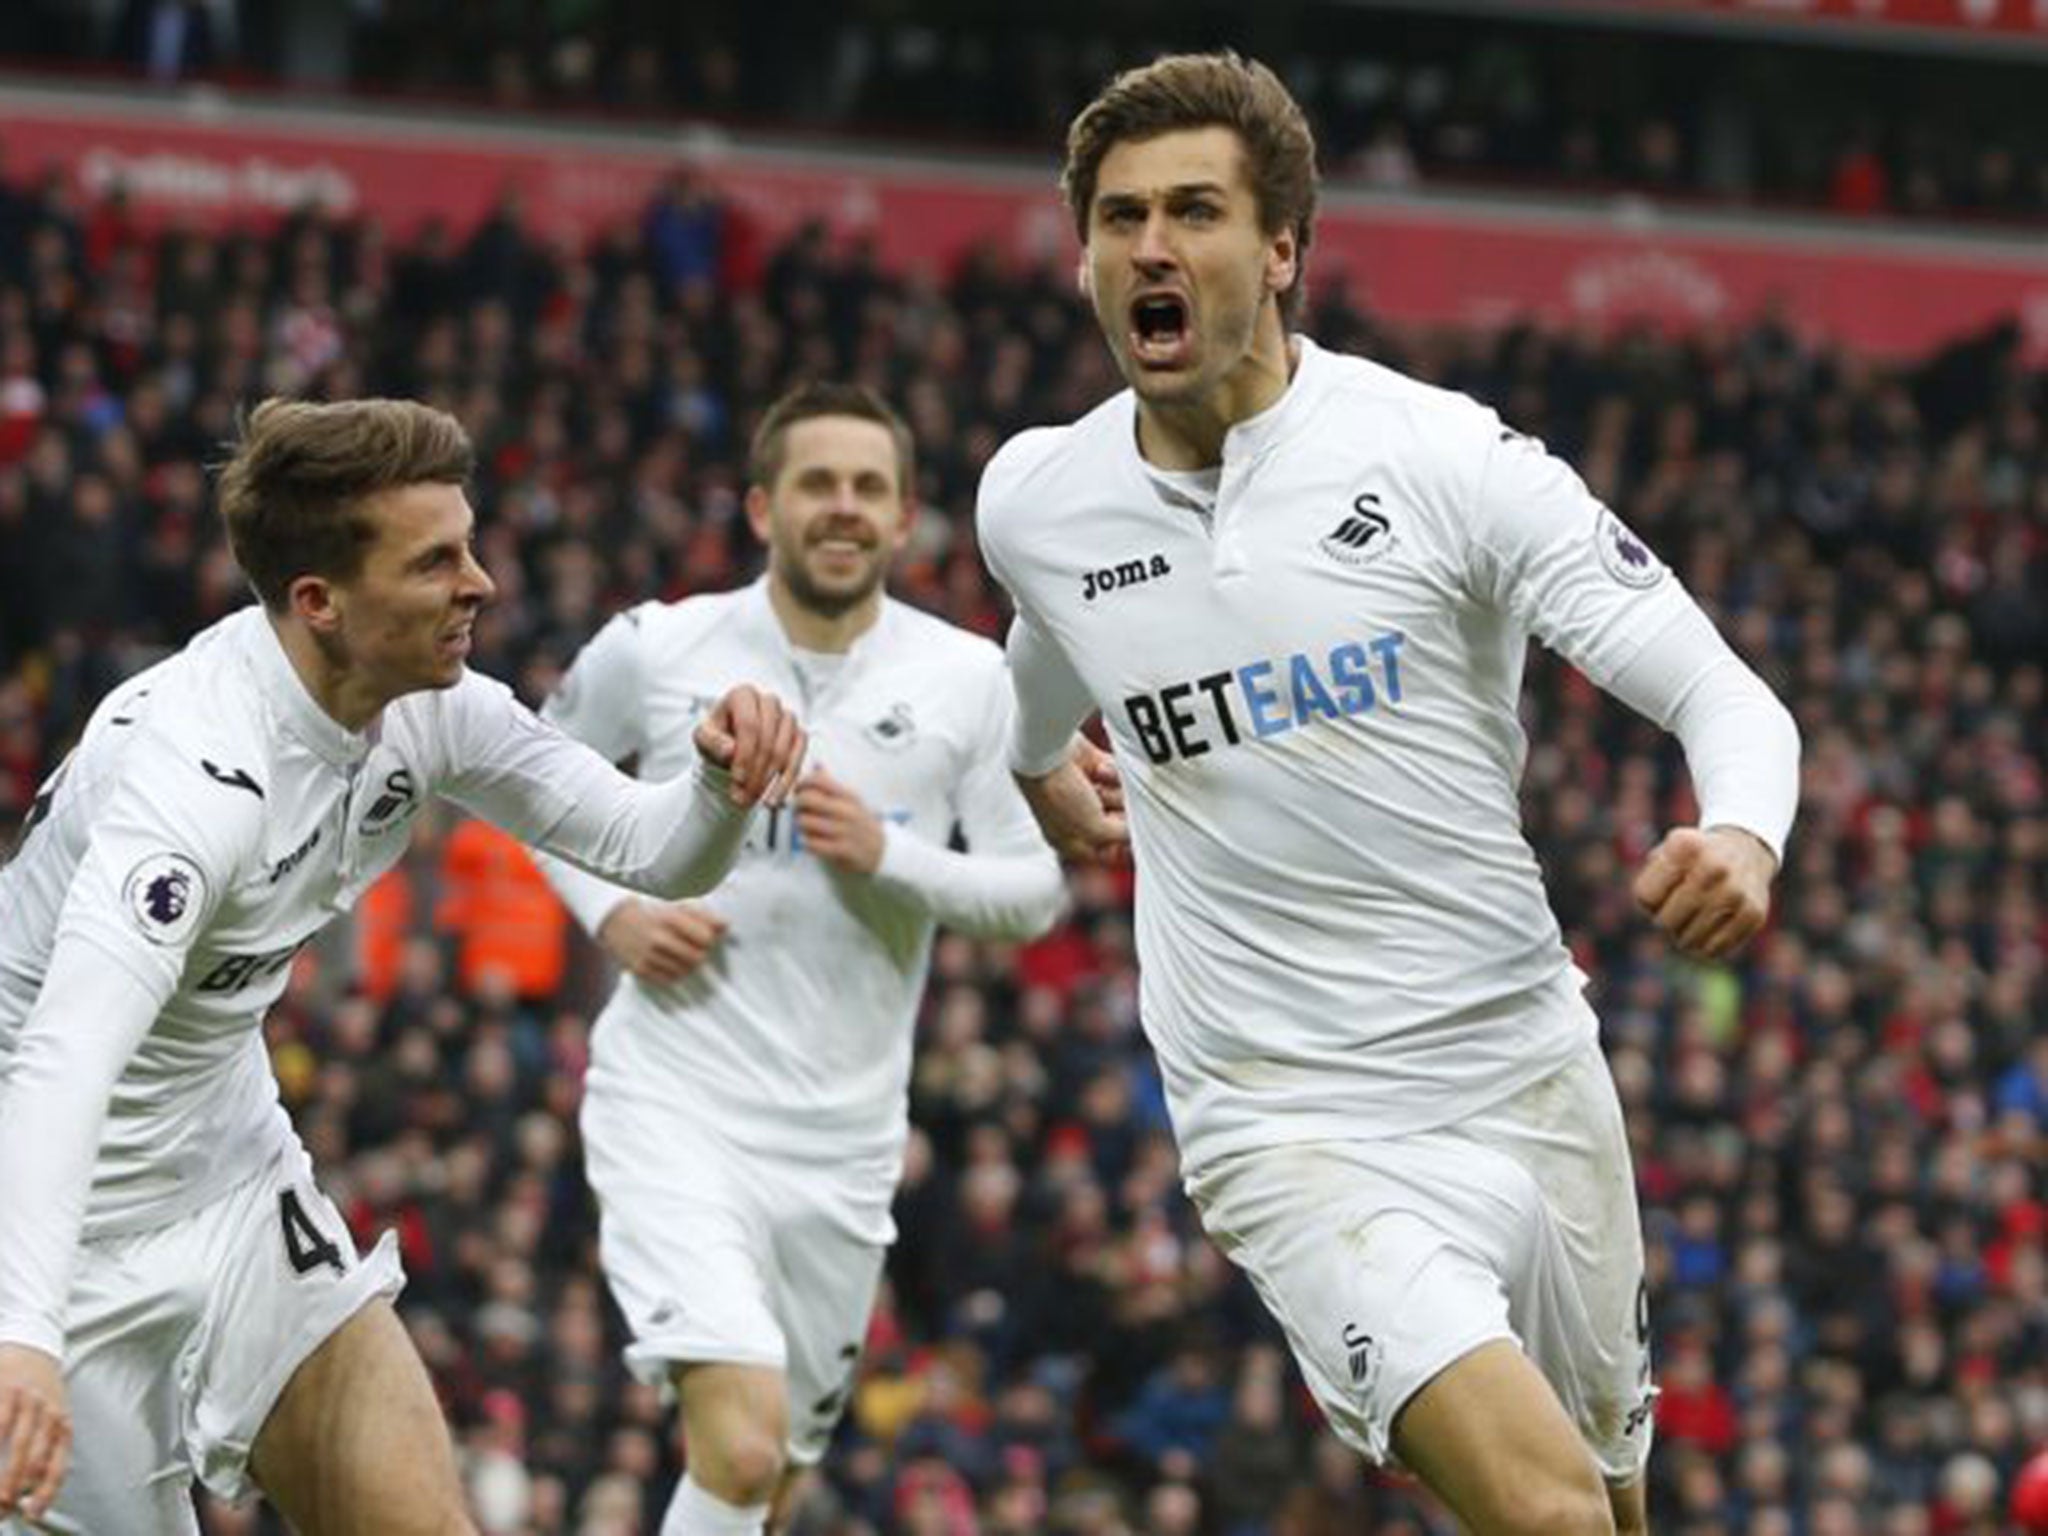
column 1880, row 289
column 1969, row 18
column 1990, row 22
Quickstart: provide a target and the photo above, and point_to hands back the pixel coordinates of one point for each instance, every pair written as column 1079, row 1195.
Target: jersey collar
column 765, row 625
column 1256, row 434
column 1253, row 436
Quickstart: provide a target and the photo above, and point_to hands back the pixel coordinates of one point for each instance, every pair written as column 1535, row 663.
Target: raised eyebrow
column 1179, row 192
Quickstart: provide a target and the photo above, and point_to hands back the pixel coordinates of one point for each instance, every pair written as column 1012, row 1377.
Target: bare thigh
column 356, row 1445
column 1491, row 1440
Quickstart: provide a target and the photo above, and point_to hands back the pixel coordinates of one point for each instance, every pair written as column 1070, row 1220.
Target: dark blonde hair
column 1207, row 90
column 292, row 490
column 824, row 398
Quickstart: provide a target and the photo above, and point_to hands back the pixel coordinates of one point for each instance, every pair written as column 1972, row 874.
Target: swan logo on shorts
column 833, row 1403
column 1362, row 1350
column 1642, row 1413
column 164, row 894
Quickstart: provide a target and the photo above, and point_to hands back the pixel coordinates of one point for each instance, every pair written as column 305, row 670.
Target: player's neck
column 810, row 630
column 345, row 696
column 1189, row 434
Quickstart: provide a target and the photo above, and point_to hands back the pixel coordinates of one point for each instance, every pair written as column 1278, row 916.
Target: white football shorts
column 1386, row 1261
column 722, row 1255
column 180, row 1339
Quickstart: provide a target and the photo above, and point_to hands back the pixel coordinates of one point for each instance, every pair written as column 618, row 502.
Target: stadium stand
column 1543, row 96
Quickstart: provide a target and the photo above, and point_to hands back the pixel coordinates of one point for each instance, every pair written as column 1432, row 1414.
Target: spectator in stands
column 167, row 39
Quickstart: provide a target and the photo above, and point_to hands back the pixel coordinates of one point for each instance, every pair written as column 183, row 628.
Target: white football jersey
column 213, row 818
column 794, row 1037
column 1312, row 685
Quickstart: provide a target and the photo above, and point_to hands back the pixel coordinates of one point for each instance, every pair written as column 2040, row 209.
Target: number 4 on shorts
column 305, row 1244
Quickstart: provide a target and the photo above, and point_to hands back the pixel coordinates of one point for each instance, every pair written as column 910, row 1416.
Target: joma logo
column 1125, row 573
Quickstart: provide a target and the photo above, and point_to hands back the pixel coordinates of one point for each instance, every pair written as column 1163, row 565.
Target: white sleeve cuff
column 1030, row 764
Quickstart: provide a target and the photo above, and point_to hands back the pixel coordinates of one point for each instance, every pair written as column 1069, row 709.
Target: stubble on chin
column 831, row 601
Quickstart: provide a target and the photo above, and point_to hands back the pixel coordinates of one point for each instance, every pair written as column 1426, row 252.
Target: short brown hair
column 292, row 491
column 1207, row 90
column 825, row 398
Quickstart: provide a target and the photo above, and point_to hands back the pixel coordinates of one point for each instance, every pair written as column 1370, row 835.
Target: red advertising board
column 1971, row 18
column 1412, row 259
column 1892, row 297
column 1985, row 24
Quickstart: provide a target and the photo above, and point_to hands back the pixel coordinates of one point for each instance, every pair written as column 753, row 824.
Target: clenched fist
column 837, row 824
column 1080, row 806
column 660, row 941
column 1709, row 890
column 754, row 737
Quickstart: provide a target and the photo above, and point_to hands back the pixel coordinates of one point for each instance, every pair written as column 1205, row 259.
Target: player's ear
column 312, row 600
column 1084, row 276
column 1283, row 260
column 757, row 512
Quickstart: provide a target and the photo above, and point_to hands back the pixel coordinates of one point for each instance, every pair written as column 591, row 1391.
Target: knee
column 1559, row 1511
column 445, row 1513
column 741, row 1463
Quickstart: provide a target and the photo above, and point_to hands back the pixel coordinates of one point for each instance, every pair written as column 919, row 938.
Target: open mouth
column 1160, row 334
column 843, row 543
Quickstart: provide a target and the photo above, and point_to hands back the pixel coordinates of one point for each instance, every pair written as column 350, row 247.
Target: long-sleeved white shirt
column 794, row 1038
column 1310, row 665
column 210, row 822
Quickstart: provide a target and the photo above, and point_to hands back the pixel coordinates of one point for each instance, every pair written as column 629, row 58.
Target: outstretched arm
column 673, row 839
column 603, row 702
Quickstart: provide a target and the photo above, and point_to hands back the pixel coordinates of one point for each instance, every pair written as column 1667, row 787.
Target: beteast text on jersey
column 1271, row 705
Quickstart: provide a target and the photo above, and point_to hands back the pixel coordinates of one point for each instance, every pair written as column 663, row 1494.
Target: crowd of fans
column 1840, row 1138
column 1403, row 98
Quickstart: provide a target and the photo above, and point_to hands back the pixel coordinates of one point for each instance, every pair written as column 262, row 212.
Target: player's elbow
column 1044, row 916
column 1050, row 901
column 1767, row 712
column 1788, row 728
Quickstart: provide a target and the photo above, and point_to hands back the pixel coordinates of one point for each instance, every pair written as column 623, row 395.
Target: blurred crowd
column 1403, row 97
column 1840, row 1138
